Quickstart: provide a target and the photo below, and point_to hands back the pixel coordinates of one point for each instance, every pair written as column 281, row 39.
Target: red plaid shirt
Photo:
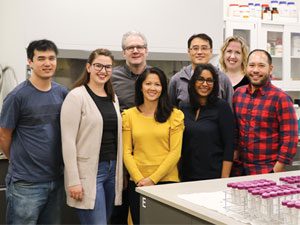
column 267, row 128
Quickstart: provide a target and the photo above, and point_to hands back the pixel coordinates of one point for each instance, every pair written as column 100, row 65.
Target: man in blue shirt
column 30, row 138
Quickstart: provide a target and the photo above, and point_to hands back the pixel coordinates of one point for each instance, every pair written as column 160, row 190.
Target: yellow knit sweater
column 152, row 149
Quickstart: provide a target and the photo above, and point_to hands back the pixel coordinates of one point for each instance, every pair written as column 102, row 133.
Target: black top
column 108, row 149
column 207, row 142
column 243, row 82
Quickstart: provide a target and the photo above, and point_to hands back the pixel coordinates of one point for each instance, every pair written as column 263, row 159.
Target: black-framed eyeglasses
column 209, row 81
column 137, row 47
column 98, row 67
column 203, row 48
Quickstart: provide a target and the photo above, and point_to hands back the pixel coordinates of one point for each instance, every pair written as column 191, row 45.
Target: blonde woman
column 233, row 60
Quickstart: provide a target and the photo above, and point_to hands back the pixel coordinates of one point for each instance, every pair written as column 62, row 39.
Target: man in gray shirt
column 200, row 52
column 135, row 52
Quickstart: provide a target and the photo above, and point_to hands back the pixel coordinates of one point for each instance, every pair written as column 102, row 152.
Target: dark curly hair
column 194, row 96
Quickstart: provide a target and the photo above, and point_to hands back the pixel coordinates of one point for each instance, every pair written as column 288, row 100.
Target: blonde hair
column 244, row 48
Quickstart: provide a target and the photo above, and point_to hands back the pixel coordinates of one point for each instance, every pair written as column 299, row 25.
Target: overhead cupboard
column 280, row 38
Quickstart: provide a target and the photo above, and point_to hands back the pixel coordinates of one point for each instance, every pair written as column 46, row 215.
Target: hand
column 278, row 167
column 236, row 155
column 145, row 182
column 76, row 192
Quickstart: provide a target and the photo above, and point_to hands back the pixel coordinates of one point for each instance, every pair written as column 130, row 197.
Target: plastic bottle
column 297, row 206
column 292, row 11
column 274, row 4
column 265, row 12
column 284, row 211
column 267, row 206
column 231, row 193
column 257, row 9
column 241, row 200
column 234, row 193
column 275, row 14
column 282, row 10
column 251, row 10
column 244, row 11
column 233, row 10
column 289, row 215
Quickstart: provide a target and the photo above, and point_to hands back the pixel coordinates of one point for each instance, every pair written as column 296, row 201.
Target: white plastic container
column 251, row 10
column 233, row 10
column 283, row 12
column 292, row 12
column 266, row 13
column 244, row 11
column 294, row 218
column 274, row 4
column 297, row 206
column 267, row 207
column 289, row 215
column 257, row 8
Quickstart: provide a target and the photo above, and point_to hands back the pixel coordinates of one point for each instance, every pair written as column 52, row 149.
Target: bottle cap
column 255, row 192
column 241, row 186
column 229, row 185
column 266, row 195
column 286, row 192
column 284, row 202
column 290, row 204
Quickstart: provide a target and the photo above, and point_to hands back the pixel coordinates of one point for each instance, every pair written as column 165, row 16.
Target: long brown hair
column 85, row 76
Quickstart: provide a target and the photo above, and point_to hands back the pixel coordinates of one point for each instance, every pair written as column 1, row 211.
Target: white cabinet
column 247, row 30
column 281, row 40
column 292, row 37
column 89, row 24
column 271, row 39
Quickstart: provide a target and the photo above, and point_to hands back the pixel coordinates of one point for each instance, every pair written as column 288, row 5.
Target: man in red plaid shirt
column 267, row 128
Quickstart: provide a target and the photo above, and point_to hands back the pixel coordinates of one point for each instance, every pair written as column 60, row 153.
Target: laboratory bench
column 162, row 204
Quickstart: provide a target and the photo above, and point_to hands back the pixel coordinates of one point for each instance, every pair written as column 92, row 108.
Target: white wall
column 12, row 36
column 78, row 26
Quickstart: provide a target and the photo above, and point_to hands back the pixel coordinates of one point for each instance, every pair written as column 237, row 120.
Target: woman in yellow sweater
column 152, row 137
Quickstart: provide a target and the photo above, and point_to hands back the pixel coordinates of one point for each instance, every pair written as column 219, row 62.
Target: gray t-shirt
column 35, row 152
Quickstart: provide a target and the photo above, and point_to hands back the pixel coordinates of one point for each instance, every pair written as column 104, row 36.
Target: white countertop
column 168, row 194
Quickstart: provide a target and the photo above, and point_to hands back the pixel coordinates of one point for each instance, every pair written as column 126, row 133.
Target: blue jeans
column 34, row 203
column 104, row 197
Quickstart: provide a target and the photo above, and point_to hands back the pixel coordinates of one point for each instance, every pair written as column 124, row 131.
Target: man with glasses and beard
column 267, row 129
